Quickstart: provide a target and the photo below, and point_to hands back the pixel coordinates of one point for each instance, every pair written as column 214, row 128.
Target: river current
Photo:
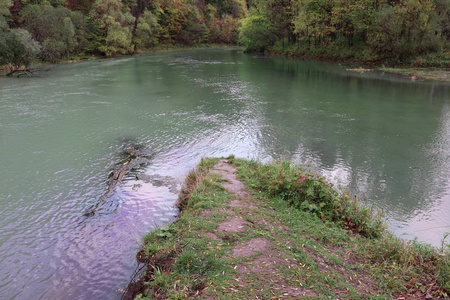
column 384, row 137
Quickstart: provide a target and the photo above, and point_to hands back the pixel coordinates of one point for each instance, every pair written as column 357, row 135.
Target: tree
column 256, row 31
column 146, row 34
column 193, row 28
column 405, row 29
column 81, row 32
column 17, row 48
column 53, row 28
column 112, row 28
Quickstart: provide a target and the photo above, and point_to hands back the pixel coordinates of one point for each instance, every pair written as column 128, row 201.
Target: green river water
column 384, row 137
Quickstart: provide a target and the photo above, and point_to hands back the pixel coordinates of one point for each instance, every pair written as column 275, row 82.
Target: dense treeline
column 396, row 31
column 406, row 31
column 53, row 29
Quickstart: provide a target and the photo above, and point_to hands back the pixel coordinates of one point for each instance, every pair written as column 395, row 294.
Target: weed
column 159, row 279
column 311, row 192
column 445, row 248
column 164, row 231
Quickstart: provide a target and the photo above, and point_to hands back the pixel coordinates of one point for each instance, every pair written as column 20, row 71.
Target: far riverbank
column 415, row 74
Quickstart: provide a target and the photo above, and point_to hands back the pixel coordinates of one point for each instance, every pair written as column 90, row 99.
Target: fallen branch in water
column 134, row 159
column 26, row 71
column 20, row 72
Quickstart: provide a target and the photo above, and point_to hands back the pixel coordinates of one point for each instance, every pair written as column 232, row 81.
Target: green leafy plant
column 164, row 232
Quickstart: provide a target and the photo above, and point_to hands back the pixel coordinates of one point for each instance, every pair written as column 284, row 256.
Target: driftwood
column 20, row 72
column 135, row 158
column 26, row 71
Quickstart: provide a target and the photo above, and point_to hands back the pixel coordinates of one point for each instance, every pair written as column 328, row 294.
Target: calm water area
column 384, row 137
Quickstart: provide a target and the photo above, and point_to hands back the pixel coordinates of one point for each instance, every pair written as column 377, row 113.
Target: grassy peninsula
column 276, row 231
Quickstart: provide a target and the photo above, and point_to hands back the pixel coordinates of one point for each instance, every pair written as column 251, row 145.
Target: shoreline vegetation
column 272, row 231
column 405, row 33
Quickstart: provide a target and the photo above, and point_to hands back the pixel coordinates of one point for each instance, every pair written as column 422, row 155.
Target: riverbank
column 80, row 57
column 414, row 73
column 246, row 231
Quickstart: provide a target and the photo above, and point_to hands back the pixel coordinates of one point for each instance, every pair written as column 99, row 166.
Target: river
column 384, row 137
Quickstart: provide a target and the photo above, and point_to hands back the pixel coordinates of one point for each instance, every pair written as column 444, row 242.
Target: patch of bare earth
column 251, row 247
column 241, row 204
column 233, row 225
column 232, row 184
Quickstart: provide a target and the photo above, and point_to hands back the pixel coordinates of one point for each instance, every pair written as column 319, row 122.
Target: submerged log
column 136, row 157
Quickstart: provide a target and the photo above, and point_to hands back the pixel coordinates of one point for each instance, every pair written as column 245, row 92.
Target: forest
column 415, row 32
column 53, row 29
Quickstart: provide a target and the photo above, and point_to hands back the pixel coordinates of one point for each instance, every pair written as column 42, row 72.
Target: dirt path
column 260, row 259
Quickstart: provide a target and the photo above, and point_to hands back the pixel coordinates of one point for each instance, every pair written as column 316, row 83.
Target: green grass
column 315, row 251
